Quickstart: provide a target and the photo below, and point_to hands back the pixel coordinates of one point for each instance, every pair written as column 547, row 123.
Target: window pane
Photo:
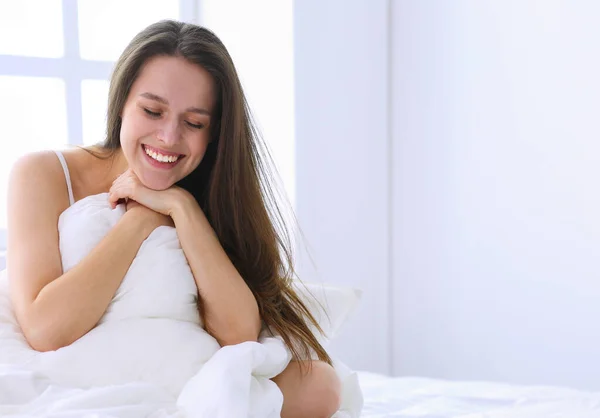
column 94, row 99
column 34, row 117
column 106, row 27
column 32, row 28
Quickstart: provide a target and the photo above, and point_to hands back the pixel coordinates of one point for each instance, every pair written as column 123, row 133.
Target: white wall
column 259, row 37
column 340, row 57
column 495, row 232
column 496, row 205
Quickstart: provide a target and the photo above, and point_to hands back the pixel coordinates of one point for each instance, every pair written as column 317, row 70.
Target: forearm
column 230, row 310
column 70, row 306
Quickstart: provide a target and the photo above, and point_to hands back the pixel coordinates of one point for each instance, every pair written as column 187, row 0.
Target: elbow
column 40, row 340
column 41, row 336
column 235, row 339
column 44, row 346
column 238, row 334
column 234, row 328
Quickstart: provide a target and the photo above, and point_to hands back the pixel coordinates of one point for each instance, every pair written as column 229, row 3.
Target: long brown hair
column 235, row 184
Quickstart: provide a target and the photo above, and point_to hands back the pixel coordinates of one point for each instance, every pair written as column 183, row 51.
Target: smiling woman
column 181, row 152
column 166, row 120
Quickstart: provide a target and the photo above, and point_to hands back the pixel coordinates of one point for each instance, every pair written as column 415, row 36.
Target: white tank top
column 63, row 162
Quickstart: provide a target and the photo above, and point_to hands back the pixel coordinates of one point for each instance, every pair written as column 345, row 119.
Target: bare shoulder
column 36, row 168
column 37, row 177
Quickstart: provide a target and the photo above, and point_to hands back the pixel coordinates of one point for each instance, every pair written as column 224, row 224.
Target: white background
column 443, row 158
column 447, row 162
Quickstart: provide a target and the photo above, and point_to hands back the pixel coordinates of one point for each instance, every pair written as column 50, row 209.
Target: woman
column 180, row 151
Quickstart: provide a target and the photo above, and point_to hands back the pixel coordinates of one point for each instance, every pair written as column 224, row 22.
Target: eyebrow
column 164, row 101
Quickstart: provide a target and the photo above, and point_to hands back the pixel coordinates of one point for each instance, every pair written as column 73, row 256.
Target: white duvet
column 411, row 397
column 149, row 356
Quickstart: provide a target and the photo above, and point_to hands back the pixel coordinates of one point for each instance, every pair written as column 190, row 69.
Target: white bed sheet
column 432, row 398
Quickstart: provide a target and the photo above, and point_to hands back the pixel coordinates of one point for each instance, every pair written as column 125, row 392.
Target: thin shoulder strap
column 63, row 162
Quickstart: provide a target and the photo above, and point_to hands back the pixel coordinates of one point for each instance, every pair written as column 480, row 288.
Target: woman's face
column 166, row 120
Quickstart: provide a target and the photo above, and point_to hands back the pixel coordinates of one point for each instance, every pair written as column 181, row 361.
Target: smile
column 159, row 156
column 161, row 159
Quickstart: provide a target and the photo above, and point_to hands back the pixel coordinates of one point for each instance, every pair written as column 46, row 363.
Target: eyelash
column 157, row 114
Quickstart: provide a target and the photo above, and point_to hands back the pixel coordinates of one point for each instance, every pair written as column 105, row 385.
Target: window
column 57, row 56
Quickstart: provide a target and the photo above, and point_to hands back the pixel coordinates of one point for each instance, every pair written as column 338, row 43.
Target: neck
column 113, row 163
column 117, row 164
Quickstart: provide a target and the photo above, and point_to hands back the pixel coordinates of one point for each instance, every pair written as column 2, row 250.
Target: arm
column 231, row 311
column 55, row 309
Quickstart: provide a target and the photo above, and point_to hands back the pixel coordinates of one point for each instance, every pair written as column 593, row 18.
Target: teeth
column 160, row 157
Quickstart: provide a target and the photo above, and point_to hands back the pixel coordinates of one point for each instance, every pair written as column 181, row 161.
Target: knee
column 326, row 390
column 311, row 392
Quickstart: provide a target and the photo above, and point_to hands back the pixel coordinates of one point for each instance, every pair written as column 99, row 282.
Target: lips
column 160, row 161
column 161, row 151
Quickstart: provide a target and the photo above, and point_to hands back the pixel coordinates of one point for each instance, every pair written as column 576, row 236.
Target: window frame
column 72, row 69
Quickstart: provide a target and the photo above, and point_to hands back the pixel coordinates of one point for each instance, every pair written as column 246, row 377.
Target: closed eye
column 195, row 126
column 158, row 114
column 151, row 113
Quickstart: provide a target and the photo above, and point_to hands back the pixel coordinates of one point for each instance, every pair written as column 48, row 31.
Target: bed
column 23, row 392
column 432, row 398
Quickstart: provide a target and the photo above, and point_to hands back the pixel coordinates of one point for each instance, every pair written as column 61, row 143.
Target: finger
column 112, row 201
column 119, row 177
column 116, row 196
column 145, row 197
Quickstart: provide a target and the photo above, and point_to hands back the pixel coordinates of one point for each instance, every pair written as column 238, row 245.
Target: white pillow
column 14, row 348
column 330, row 305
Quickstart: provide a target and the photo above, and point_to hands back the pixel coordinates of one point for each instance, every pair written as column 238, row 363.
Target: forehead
column 179, row 81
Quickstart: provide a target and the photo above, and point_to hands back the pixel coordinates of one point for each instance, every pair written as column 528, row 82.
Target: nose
column 169, row 134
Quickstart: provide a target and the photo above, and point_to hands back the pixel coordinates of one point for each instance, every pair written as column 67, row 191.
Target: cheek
column 127, row 131
column 128, row 146
column 132, row 129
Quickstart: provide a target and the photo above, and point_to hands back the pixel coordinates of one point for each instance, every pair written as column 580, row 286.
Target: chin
column 154, row 181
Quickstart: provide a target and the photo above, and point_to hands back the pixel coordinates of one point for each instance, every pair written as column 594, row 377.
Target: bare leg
column 313, row 395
